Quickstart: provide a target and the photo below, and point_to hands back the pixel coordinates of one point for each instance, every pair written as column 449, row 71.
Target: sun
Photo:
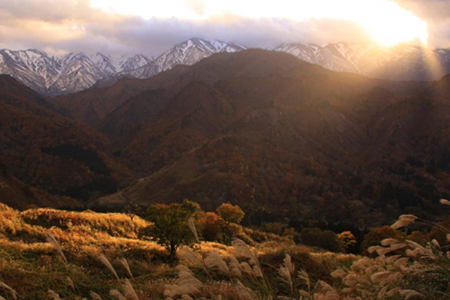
column 384, row 21
column 388, row 24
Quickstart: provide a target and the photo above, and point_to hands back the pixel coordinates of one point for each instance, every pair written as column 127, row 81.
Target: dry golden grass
column 73, row 255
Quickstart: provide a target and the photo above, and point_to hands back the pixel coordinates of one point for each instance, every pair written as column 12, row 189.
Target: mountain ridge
column 74, row 72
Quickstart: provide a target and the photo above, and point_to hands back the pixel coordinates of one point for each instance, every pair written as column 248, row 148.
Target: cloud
column 430, row 10
column 436, row 13
column 73, row 25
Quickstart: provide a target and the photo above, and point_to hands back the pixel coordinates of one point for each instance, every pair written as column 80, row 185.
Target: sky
column 151, row 27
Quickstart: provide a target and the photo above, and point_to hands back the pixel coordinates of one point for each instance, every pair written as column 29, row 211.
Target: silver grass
column 304, row 294
column 286, row 271
column 382, row 292
column 106, row 262
column 287, row 261
column 187, row 255
column 419, row 250
column 185, row 284
column 404, row 220
column 383, row 251
column 394, row 277
column 52, row 295
column 389, row 241
column 347, row 290
column 350, row 280
column 95, row 296
column 193, row 229
column 129, row 291
column 392, row 259
column 393, row 291
column 410, row 293
column 435, row 243
column 445, row 201
column 380, row 276
column 372, row 249
column 117, row 294
column 234, row 266
column 401, row 262
column 245, row 267
column 242, row 249
column 10, row 289
column 285, row 276
column 257, row 272
column 52, row 240
column 125, row 264
column 325, row 286
column 413, row 253
column 372, row 269
column 398, row 246
column 214, row 260
column 302, row 274
column 243, row 292
column 338, row 274
column 70, row 283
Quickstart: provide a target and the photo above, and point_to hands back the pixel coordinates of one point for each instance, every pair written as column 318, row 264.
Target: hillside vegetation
column 75, row 255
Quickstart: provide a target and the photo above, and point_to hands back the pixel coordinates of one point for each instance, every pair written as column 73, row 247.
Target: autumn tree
column 170, row 227
column 210, row 226
column 230, row 213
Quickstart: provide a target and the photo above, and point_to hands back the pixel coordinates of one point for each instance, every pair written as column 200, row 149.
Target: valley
column 282, row 137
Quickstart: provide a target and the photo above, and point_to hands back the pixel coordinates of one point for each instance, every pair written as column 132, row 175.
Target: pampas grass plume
column 234, row 266
column 192, row 227
column 125, row 264
column 380, row 276
column 214, row 260
column 95, row 296
column 106, row 262
column 445, row 201
column 52, row 240
column 52, row 295
column 117, row 294
column 410, row 293
column 130, row 293
column 7, row 287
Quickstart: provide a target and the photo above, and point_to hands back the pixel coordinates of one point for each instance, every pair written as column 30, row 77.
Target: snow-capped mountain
column 402, row 62
column 74, row 72
column 186, row 53
column 32, row 67
column 69, row 73
column 192, row 51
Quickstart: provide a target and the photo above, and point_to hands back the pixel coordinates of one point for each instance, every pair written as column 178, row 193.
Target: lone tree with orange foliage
column 230, row 213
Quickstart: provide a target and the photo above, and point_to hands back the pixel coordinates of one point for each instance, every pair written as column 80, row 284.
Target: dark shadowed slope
column 265, row 131
column 50, row 152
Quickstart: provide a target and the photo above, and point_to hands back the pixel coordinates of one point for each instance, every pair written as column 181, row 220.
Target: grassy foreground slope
column 31, row 266
column 52, row 254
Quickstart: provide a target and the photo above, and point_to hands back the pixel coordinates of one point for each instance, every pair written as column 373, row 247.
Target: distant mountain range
column 279, row 136
column 75, row 72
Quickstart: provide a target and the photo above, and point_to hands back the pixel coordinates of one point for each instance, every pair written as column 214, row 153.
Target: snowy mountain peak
column 74, row 72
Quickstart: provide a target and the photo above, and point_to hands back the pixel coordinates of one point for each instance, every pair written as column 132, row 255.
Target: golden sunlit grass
column 75, row 255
